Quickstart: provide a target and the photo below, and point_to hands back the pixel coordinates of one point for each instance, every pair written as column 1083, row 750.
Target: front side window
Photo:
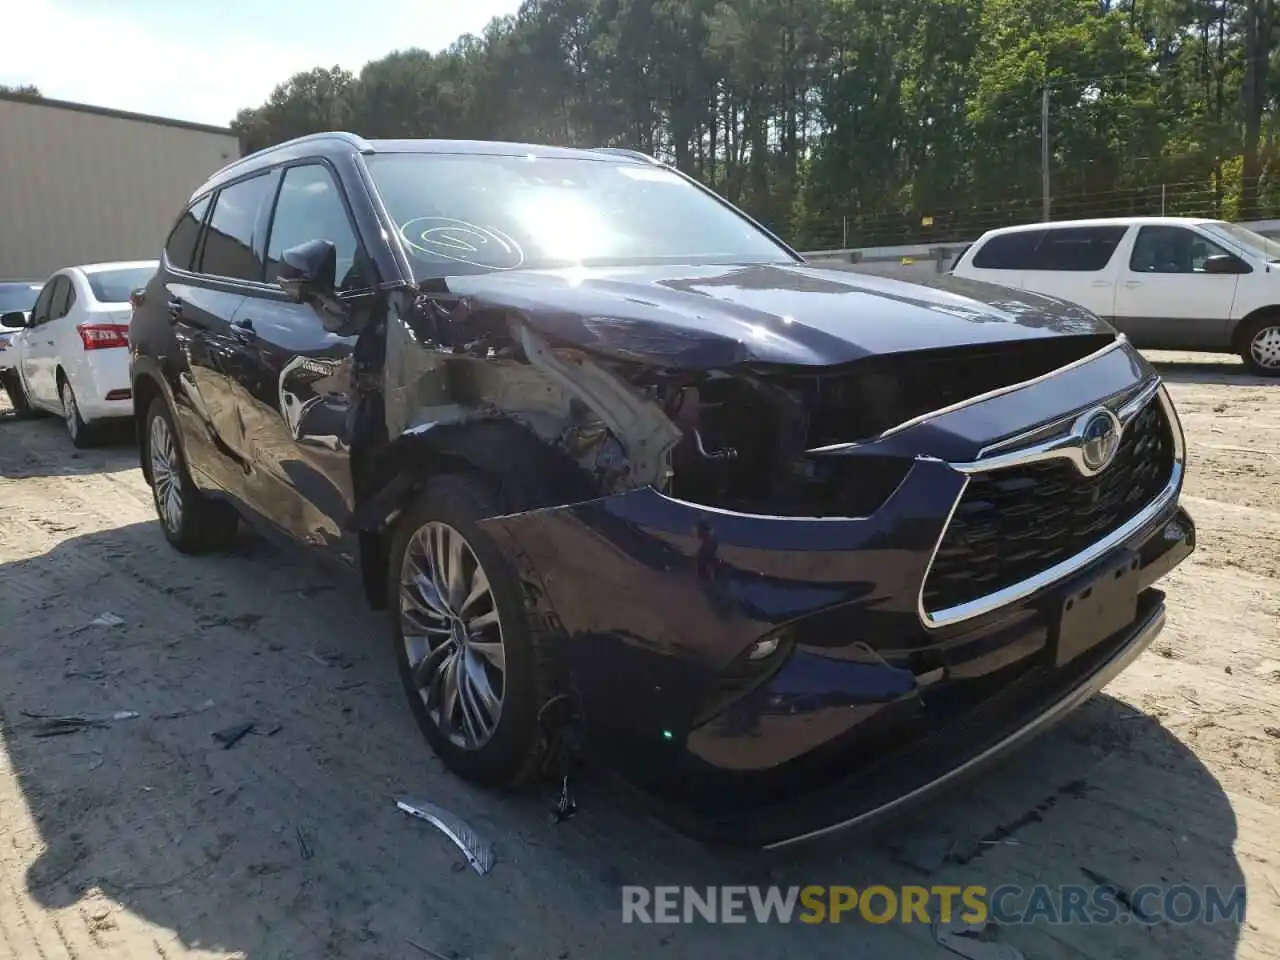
column 181, row 245
column 114, row 286
column 1078, row 249
column 467, row 213
column 40, row 312
column 1167, row 249
column 309, row 207
column 1009, row 251
column 231, row 240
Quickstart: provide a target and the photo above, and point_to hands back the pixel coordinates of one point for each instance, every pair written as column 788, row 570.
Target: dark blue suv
column 787, row 547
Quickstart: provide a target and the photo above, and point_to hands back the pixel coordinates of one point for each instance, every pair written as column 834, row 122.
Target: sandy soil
column 147, row 839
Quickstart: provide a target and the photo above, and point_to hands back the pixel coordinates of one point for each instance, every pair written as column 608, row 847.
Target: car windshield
column 1244, row 237
column 476, row 213
column 114, row 286
column 18, row 296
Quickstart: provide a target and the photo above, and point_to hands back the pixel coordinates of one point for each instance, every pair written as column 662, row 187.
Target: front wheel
column 18, row 399
column 475, row 673
column 191, row 521
column 1261, row 339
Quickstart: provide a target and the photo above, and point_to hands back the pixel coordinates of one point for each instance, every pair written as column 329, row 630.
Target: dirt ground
column 147, row 839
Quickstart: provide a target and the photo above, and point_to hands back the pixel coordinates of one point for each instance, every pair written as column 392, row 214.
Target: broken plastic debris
column 304, row 847
column 106, row 620
column 965, row 939
column 477, row 850
column 230, row 736
column 51, row 725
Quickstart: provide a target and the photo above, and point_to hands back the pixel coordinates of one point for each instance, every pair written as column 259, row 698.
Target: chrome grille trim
column 1011, row 594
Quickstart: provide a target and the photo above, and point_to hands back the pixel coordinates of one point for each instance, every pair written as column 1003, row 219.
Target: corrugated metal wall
column 78, row 187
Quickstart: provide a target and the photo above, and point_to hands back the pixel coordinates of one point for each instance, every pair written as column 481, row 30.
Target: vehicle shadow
column 288, row 844
column 1205, row 368
column 39, row 447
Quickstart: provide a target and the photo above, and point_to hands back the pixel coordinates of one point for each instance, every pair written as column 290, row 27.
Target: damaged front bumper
column 770, row 679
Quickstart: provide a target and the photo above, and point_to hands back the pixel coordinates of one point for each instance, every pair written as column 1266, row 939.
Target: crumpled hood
column 702, row 317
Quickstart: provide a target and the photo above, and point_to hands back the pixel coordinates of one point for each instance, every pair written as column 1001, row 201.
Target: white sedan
column 16, row 296
column 72, row 358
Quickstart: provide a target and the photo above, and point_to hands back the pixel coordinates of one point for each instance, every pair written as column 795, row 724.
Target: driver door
column 300, row 374
column 1164, row 297
column 39, row 353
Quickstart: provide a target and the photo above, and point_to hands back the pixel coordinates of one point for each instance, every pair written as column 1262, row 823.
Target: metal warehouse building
column 83, row 184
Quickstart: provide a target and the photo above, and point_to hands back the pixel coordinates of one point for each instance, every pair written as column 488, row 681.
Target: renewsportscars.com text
column 1006, row 904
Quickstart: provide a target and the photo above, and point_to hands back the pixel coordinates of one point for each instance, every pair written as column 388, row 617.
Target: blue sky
column 203, row 60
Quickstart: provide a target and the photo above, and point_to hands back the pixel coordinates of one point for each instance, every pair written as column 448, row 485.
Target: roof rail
column 351, row 139
column 624, row 152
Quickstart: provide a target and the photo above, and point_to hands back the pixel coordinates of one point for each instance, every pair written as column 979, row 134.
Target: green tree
column 871, row 121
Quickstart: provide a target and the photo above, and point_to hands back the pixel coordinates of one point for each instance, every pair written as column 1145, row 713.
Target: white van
column 1168, row 283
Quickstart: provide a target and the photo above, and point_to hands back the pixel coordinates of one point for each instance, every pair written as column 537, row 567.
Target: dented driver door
column 296, row 427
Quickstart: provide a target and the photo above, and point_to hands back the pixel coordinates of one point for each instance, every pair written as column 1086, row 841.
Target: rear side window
column 180, row 249
column 231, row 241
column 1078, row 248
column 63, row 297
column 1009, row 251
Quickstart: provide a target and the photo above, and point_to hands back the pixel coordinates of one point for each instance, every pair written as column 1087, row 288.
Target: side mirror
column 308, row 272
column 14, row 319
column 1225, row 263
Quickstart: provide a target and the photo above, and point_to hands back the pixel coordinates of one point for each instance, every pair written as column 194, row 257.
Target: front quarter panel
column 650, row 599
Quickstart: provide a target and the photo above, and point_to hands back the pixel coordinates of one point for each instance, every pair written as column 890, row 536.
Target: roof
column 341, row 143
column 117, row 265
column 1099, row 222
column 116, row 114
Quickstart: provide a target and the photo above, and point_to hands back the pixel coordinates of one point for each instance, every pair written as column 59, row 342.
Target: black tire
column 516, row 752
column 81, row 434
column 202, row 524
column 12, row 384
column 1269, row 322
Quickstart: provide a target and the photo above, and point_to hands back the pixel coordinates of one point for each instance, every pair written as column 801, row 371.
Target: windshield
column 473, row 213
column 1244, row 237
column 18, row 296
column 114, row 286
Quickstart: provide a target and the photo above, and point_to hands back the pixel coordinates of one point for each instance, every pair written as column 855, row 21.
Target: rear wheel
column 82, row 434
column 1261, row 340
column 474, row 672
column 191, row 521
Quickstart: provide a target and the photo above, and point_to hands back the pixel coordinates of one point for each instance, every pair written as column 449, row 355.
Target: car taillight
column 103, row 336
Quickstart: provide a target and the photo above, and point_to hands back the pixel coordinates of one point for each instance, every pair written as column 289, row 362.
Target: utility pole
column 1044, row 148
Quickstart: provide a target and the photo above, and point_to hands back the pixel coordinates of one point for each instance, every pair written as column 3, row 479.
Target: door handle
column 1100, row 283
column 1133, row 283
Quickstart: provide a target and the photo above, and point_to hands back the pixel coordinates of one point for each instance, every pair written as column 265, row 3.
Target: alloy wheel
column 452, row 634
column 1265, row 347
column 166, row 481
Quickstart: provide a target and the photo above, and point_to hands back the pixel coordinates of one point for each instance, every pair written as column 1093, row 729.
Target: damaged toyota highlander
column 784, row 547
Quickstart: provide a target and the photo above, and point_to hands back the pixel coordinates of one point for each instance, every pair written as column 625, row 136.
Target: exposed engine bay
column 749, row 438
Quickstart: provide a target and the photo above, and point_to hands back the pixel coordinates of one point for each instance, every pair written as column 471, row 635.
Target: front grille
column 1014, row 523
